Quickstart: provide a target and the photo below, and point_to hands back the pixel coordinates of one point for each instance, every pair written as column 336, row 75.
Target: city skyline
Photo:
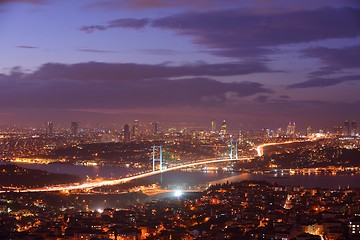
column 254, row 63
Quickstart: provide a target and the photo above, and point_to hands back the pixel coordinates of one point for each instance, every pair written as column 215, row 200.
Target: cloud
column 42, row 89
column 124, row 85
column 89, row 50
column 157, row 51
column 236, row 33
column 335, row 60
column 261, row 98
column 98, row 71
column 284, row 97
column 71, row 92
column 267, row 5
column 26, row 47
column 118, row 23
column 239, row 33
column 324, row 82
column 158, row 4
column 22, row 1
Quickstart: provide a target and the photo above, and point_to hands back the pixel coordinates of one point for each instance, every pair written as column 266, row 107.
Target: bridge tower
column 234, row 149
column 157, row 157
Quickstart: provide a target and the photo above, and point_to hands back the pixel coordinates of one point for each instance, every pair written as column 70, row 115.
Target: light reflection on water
column 193, row 178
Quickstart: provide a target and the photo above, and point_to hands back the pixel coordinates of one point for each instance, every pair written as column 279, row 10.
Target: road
column 260, row 148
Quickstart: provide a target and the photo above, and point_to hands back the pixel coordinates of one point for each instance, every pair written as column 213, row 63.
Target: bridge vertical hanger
column 160, row 157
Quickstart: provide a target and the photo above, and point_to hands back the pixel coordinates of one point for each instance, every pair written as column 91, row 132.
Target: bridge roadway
column 90, row 185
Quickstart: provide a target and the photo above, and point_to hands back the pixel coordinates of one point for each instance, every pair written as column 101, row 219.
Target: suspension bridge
column 157, row 156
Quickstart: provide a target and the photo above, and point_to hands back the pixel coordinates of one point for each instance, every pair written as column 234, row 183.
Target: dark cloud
column 158, row 4
column 261, row 98
column 23, row 1
column 95, row 50
column 115, row 85
column 92, row 28
column 71, row 91
column 267, row 5
column 97, row 71
column 238, row 33
column 284, row 97
column 335, row 59
column 26, row 47
column 324, row 82
column 118, row 23
column 128, row 23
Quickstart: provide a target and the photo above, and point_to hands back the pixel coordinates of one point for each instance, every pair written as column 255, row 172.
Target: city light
column 178, row 193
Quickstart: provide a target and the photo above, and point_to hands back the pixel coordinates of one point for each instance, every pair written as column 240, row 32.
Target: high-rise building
column 339, row 130
column 308, row 131
column 135, row 128
column 49, row 127
column 347, row 131
column 126, row 133
column 155, row 128
column 223, row 128
column 266, row 132
column 291, row 128
column 74, row 127
column 353, row 130
column 213, row 126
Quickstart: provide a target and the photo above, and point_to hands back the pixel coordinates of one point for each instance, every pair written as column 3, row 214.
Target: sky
column 255, row 63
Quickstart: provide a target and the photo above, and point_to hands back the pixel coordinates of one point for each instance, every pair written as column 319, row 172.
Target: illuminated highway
column 90, row 185
column 260, row 148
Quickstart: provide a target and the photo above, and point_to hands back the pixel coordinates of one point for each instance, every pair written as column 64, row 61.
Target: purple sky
column 255, row 63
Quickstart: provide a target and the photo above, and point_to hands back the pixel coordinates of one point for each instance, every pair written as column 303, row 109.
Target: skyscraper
column 126, row 133
column 213, row 126
column 308, row 131
column 49, row 127
column 74, row 127
column 155, row 128
column 135, row 128
column 291, row 128
column 347, row 131
column 354, row 129
column 223, row 128
column 339, row 130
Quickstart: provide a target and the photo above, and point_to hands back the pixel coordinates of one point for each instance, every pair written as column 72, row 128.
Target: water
column 82, row 171
column 194, row 178
column 308, row 181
